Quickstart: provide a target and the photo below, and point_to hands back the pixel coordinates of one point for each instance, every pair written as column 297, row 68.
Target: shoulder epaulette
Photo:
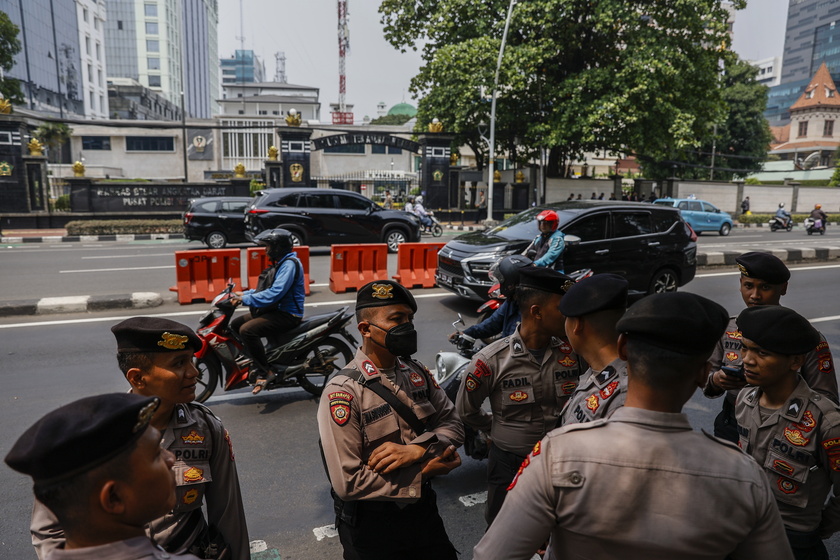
column 722, row 441
column 495, row 347
column 205, row 409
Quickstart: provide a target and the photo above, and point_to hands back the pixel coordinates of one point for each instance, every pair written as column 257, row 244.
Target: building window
column 275, row 112
column 153, row 63
column 262, row 112
column 152, row 45
column 96, row 142
column 150, row 10
column 119, row 24
column 90, row 73
column 248, row 142
column 828, row 128
column 92, row 101
column 154, row 81
column 150, row 143
column 84, row 14
column 380, row 149
column 803, row 129
column 99, row 75
column 151, row 28
column 98, row 51
column 87, row 45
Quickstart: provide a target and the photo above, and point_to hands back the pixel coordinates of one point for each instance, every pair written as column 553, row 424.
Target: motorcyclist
column 276, row 304
column 505, row 318
column 820, row 218
column 548, row 246
column 421, row 213
column 783, row 214
column 409, row 205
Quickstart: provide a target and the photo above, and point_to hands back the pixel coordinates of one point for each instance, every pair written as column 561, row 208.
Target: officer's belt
column 189, row 533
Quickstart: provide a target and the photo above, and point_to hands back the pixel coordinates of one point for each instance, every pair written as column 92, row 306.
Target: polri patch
column 537, row 449
column 340, row 406
column 368, row 368
column 787, row 486
column 783, row 467
column 518, row 396
column 472, row 383
column 193, row 474
column 796, row 437
column 824, row 363
column 734, row 335
column 416, row 379
column 609, row 390
column 190, row 496
column 565, row 347
column 808, row 423
column 522, row 467
column 193, row 438
column 731, row 357
column 482, row 369
column 568, row 388
column 567, row 361
column 592, row 402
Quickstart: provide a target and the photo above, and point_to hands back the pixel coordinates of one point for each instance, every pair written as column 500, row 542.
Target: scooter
column 777, row 223
column 812, row 225
column 436, row 229
column 305, row 356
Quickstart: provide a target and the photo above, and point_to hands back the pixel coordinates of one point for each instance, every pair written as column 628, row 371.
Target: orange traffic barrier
column 258, row 261
column 416, row 264
column 353, row 266
column 201, row 275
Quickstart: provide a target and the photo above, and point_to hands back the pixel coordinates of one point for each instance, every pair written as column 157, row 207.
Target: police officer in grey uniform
column 641, row 484
column 592, row 308
column 764, row 280
column 156, row 357
column 527, row 376
column 97, row 463
column 386, row 429
column 792, row 431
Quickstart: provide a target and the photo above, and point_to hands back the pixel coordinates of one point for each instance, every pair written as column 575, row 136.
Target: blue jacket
column 556, row 243
column 503, row 320
column 285, row 293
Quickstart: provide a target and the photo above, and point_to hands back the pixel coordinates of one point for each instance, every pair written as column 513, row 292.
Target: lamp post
column 492, row 141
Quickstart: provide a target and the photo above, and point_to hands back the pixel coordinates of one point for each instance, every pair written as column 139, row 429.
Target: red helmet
column 550, row 217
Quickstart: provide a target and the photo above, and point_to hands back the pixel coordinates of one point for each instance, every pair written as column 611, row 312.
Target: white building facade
column 90, row 15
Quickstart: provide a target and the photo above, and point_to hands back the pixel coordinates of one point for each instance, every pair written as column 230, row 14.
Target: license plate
column 444, row 278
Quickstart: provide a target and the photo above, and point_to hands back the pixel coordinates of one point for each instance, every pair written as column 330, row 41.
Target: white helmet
column 419, row 199
column 781, row 205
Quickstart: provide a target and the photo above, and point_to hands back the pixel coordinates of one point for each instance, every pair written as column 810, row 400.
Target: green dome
column 403, row 109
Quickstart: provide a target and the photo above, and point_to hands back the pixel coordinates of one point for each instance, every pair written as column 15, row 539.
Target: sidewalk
column 60, row 236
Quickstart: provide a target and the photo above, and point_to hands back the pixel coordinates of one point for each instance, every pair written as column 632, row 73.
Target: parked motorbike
column 436, row 229
column 777, row 223
column 814, row 226
column 305, row 356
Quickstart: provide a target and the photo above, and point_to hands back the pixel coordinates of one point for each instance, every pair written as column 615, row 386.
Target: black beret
column 154, row 334
column 384, row 292
column 778, row 329
column 81, row 435
column 678, row 321
column 763, row 266
column 596, row 293
column 545, row 279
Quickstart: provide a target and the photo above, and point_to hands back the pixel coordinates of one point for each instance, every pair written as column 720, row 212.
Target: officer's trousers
column 502, row 467
column 806, row 546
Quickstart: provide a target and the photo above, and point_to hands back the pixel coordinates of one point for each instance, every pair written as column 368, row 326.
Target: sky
column 306, row 30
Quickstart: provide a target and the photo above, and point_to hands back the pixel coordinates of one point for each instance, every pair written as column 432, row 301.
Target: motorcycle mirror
column 460, row 321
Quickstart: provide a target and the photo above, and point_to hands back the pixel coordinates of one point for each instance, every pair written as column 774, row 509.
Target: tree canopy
column 9, row 47
column 577, row 75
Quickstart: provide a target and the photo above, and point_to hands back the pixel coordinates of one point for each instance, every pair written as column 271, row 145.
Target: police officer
column 386, row 429
column 527, row 376
column 642, row 484
column 792, row 431
column 592, row 308
column 764, row 280
column 97, row 464
column 156, row 357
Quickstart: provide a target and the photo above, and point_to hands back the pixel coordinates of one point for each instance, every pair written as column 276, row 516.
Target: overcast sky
column 306, row 32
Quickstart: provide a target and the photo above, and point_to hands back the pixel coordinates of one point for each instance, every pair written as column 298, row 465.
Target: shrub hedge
column 764, row 218
column 119, row 227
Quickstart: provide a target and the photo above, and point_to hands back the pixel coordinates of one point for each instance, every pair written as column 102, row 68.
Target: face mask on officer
column 400, row 340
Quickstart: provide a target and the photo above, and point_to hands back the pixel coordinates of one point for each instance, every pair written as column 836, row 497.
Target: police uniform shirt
column 616, row 488
column 526, row 396
column 818, row 369
column 799, row 448
column 205, row 472
column 137, row 548
column 353, row 421
column 599, row 394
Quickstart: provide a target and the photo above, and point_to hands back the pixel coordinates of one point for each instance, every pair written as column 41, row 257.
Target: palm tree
column 54, row 135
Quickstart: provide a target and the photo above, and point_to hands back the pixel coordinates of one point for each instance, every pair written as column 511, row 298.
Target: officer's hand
column 447, row 462
column 726, row 381
column 391, row 456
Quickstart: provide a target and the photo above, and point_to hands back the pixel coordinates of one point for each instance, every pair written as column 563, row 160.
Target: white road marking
column 258, row 546
column 471, row 500
column 98, row 319
column 792, row 269
column 327, row 531
column 129, row 256
column 116, row 269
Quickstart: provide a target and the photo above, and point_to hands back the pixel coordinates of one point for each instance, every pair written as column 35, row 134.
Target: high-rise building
column 244, row 67
column 201, row 57
column 49, row 65
column 90, row 17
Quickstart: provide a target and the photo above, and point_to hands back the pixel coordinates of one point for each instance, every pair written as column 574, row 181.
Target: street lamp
column 492, row 141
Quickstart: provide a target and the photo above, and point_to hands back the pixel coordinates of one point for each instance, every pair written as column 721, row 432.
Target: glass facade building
column 243, row 67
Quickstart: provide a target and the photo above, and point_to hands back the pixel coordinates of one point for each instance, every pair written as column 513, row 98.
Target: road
column 49, row 361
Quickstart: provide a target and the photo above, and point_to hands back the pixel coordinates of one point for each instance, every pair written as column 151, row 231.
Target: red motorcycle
column 305, row 356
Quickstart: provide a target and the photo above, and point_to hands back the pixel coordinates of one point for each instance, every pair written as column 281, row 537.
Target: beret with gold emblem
column 154, row 334
column 596, row 293
column 545, row 280
column 81, row 435
column 763, row 266
column 384, row 292
column 778, row 329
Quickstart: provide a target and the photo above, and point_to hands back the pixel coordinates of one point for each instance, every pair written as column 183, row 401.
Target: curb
column 79, row 304
column 764, row 225
column 723, row 258
column 91, row 238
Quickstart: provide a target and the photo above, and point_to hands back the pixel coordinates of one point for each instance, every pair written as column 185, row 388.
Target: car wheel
column 665, row 280
column 215, row 240
column 725, row 229
column 393, row 238
column 297, row 239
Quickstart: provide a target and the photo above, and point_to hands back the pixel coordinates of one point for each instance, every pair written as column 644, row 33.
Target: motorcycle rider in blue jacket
column 549, row 244
column 783, row 214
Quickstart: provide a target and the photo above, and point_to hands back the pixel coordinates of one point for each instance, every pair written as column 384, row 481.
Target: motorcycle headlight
column 440, row 366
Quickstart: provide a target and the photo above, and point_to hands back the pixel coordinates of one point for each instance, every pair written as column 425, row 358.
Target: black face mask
column 400, row 340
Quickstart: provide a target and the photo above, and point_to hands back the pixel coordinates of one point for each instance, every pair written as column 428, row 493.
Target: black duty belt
column 184, row 538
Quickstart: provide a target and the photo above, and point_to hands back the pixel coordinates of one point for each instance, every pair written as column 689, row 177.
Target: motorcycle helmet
column 277, row 242
column 419, row 199
column 506, row 273
column 817, row 206
column 549, row 217
column 781, row 205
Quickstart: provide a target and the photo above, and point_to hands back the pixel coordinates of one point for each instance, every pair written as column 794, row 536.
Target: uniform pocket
column 381, row 427
column 191, row 480
column 787, row 478
column 517, row 404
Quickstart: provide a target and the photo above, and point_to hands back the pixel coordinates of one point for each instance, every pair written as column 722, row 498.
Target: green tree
column 9, row 47
column 54, row 136
column 392, row 119
column 577, row 75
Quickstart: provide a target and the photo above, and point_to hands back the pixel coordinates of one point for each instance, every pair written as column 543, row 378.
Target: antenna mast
column 342, row 116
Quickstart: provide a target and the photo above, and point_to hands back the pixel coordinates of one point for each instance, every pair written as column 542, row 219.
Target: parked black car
column 649, row 245
column 329, row 216
column 217, row 220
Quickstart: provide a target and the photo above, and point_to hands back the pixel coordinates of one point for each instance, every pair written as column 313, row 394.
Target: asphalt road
column 49, row 361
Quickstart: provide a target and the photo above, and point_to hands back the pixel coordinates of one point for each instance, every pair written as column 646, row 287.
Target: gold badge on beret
column 173, row 341
column 145, row 416
column 382, row 291
column 743, row 270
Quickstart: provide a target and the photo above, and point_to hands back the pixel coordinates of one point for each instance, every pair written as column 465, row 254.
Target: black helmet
column 506, row 272
column 277, row 242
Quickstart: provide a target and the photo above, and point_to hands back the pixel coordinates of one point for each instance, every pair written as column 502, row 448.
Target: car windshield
column 669, row 203
column 524, row 224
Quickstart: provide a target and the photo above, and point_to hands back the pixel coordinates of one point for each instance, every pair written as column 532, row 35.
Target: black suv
column 328, row 216
column 649, row 245
column 217, row 220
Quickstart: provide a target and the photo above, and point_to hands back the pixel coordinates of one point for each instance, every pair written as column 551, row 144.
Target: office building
column 243, row 67
column 769, row 70
column 90, row 17
column 201, row 57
